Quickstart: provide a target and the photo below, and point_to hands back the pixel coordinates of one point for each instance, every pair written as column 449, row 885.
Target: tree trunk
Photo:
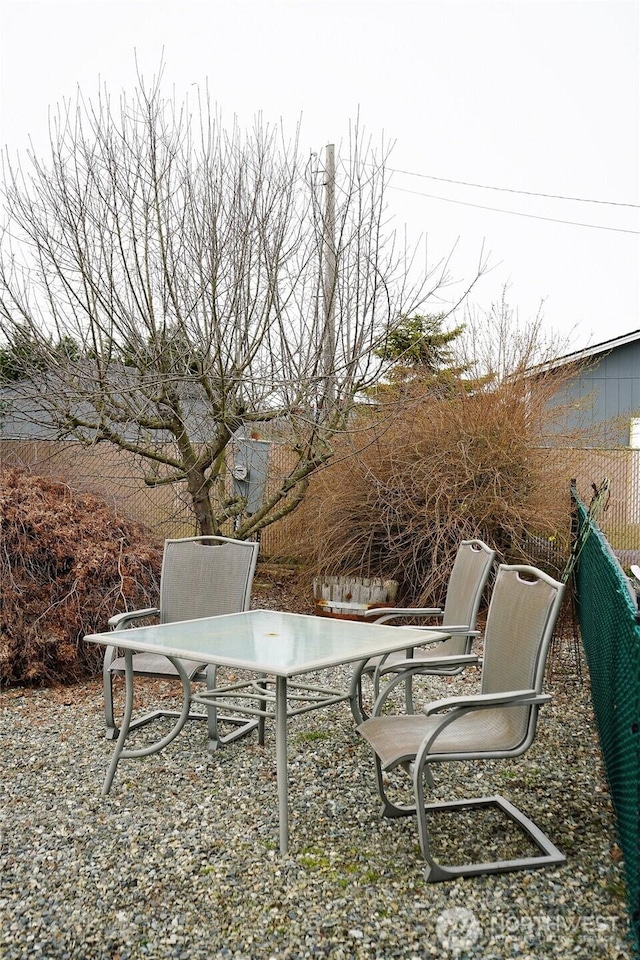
column 199, row 489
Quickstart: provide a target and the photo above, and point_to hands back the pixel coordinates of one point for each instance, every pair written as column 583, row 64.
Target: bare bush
column 421, row 476
column 67, row 563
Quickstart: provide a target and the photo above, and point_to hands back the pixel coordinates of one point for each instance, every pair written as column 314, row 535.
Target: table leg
column 126, row 720
column 281, row 762
column 158, row 745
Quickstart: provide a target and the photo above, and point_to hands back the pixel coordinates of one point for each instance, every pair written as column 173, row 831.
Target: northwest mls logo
column 458, row 929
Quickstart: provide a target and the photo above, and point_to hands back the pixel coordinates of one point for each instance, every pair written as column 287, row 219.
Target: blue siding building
column 605, row 388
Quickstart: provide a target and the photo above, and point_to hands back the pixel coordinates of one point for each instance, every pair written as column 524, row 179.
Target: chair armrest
column 445, row 633
column 382, row 614
column 443, row 629
column 446, row 712
column 121, row 620
column 411, row 666
column 439, row 639
column 481, row 701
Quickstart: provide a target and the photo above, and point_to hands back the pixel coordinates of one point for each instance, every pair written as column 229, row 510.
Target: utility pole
column 329, row 276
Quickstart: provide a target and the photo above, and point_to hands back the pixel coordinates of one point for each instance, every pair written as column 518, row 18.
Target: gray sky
column 538, row 96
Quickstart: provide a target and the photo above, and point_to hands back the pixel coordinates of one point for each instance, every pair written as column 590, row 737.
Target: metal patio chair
column 499, row 722
column 471, row 569
column 201, row 577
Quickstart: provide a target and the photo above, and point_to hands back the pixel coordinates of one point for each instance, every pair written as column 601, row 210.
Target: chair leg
column 408, row 694
column 436, row 872
column 243, row 726
column 355, row 693
column 214, row 739
column 390, row 809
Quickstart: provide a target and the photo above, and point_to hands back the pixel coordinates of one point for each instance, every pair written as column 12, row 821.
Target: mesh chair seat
column 156, row 665
column 452, row 647
column 398, row 739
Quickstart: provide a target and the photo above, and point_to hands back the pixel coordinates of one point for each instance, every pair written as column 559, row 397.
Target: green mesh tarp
column 611, row 640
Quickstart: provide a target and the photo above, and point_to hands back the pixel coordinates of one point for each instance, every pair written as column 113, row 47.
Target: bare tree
column 183, row 263
column 497, row 344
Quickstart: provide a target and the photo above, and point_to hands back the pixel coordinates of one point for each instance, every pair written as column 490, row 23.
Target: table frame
column 271, row 698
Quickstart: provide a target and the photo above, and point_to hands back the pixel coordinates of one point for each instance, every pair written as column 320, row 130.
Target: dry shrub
column 408, row 487
column 67, row 563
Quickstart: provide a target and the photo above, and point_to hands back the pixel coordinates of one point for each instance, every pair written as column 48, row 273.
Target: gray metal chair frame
column 201, row 577
column 499, row 722
column 472, row 567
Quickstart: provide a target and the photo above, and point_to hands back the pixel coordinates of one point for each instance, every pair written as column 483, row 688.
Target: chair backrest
column 206, row 577
column 524, row 607
column 467, row 581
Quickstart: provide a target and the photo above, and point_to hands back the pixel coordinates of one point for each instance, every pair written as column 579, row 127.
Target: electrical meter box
column 250, row 471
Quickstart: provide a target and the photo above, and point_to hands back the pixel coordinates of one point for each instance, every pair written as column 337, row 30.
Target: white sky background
column 531, row 95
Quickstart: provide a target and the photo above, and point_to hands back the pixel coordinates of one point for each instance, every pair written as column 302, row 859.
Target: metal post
column 329, row 276
column 281, row 762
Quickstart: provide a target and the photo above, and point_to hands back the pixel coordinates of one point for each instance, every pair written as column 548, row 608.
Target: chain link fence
column 620, row 521
column 118, row 477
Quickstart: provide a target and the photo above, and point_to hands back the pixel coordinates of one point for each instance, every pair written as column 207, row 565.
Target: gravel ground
column 181, row 861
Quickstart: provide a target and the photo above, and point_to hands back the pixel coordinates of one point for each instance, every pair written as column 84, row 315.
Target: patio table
column 268, row 644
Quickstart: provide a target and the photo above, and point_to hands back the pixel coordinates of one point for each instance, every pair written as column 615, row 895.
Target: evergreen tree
column 423, row 359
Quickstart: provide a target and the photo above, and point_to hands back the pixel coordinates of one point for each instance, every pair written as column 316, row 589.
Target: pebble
column 180, row 861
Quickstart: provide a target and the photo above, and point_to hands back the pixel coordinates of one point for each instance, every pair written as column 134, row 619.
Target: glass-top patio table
column 268, row 644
